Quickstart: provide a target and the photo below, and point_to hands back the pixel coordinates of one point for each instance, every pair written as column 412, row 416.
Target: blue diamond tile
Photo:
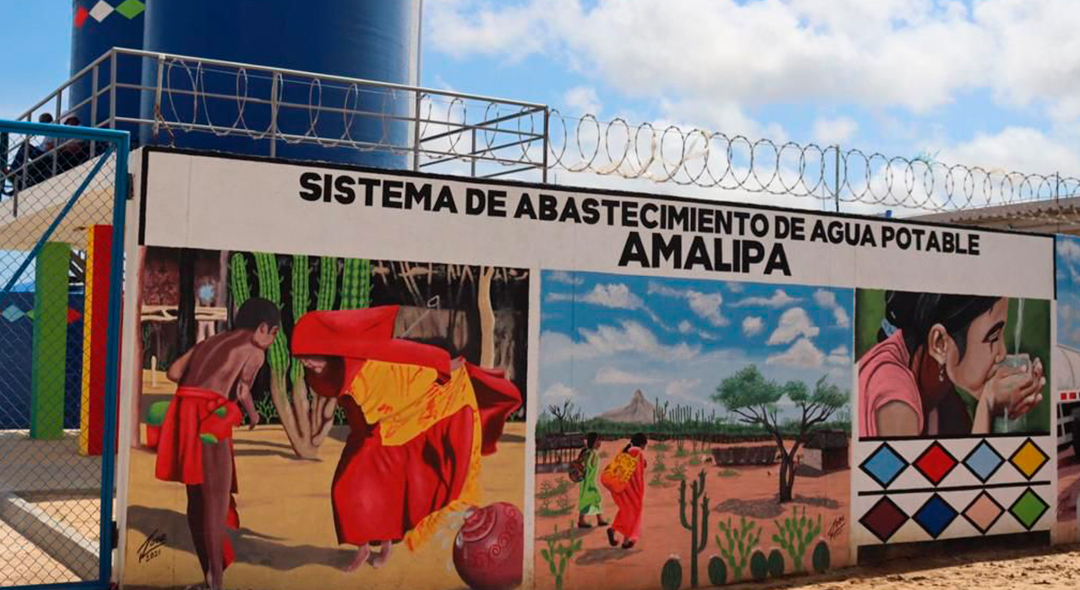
column 983, row 461
column 935, row 516
column 884, row 465
column 12, row 314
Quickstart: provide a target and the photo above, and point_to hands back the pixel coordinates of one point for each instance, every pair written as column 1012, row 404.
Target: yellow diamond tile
column 1028, row 459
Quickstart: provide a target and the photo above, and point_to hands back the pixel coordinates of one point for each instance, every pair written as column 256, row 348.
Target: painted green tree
column 306, row 418
column 754, row 399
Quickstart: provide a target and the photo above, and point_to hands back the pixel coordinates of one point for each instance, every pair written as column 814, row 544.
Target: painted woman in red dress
column 419, row 422
column 631, row 500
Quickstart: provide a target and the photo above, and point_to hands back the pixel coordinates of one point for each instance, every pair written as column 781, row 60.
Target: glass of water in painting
column 1014, row 360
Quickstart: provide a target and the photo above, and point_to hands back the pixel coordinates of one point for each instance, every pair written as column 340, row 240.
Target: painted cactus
column 307, row 419
column 796, row 534
column 671, row 574
column 740, row 542
column 558, row 554
column 698, row 523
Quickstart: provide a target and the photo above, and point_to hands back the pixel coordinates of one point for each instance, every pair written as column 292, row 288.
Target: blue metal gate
column 62, row 198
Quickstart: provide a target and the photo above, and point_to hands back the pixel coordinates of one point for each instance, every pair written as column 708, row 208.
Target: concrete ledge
column 58, row 540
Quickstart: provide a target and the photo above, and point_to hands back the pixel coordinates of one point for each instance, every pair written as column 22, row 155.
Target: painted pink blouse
column 884, row 377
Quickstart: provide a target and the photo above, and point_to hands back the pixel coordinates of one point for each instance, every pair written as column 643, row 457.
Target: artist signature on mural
column 836, row 527
column 151, row 547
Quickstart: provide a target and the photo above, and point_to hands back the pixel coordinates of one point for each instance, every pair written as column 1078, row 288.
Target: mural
column 693, row 433
column 953, row 416
column 324, row 421
column 1067, row 383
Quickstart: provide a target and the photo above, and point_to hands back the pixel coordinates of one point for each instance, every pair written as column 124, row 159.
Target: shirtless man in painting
column 195, row 447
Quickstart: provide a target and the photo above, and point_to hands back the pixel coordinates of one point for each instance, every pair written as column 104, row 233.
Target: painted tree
column 566, row 415
column 753, row 398
column 306, row 418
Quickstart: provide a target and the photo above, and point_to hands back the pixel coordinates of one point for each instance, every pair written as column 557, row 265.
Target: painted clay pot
column 489, row 548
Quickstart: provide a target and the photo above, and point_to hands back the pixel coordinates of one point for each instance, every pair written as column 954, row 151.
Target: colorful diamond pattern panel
column 884, row 465
column 12, row 314
column 983, row 461
column 131, row 8
column 1028, row 508
column 935, row 463
column 935, row 516
column 983, row 512
column 102, row 10
column 884, row 519
column 1028, row 459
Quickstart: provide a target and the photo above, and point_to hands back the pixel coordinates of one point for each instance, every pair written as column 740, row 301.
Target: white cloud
column 834, row 131
column 681, row 388
column 912, row 53
column 827, row 300
column 801, row 354
column 613, row 376
column 734, row 287
column 707, row 305
column 662, row 289
column 704, row 305
column 839, row 356
column 615, row 295
column 558, row 392
column 631, row 336
column 752, row 325
column 778, row 299
column 563, row 277
column 582, row 100
column 1023, row 149
column 685, row 327
column 794, row 323
column 1068, row 249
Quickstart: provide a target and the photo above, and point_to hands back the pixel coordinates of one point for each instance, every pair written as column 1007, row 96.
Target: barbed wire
column 493, row 137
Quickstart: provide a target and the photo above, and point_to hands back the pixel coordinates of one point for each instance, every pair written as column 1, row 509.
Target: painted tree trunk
column 186, row 328
column 487, row 318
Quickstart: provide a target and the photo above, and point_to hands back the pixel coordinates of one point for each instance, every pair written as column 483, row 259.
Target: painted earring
column 941, row 373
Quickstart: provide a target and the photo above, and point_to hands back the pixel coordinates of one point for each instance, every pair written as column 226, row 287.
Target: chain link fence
column 59, row 311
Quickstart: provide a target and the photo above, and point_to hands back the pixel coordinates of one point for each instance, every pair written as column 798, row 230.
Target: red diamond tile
column 935, row 463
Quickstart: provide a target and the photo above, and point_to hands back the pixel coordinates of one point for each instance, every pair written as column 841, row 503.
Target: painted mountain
column 638, row 411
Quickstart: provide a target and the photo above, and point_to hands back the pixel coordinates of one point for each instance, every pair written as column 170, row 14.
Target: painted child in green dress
column 590, row 503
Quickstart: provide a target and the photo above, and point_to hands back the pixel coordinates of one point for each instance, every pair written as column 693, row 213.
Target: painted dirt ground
column 734, row 492
column 287, row 537
column 1053, row 569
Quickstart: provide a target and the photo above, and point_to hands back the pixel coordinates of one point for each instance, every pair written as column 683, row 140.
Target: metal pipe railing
column 445, row 126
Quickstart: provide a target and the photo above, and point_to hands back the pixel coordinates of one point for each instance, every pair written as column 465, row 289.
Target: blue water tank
column 368, row 39
column 97, row 27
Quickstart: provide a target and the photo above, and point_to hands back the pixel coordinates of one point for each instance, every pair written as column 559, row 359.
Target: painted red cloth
column 631, row 501
column 885, row 377
column 356, row 335
column 381, row 491
column 193, row 413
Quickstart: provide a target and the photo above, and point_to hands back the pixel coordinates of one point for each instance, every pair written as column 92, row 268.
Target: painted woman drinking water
column 933, row 351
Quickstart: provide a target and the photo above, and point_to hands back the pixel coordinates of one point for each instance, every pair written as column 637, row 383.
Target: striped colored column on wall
column 95, row 333
column 49, row 362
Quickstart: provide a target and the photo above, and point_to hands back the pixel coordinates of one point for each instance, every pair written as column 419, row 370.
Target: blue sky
column 604, row 336
column 988, row 82
column 1068, row 291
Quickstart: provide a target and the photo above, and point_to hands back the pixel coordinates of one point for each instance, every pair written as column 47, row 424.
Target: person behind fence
column 624, row 477
column 73, row 152
column 419, row 423
column 28, row 163
column 590, row 503
column 195, row 446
